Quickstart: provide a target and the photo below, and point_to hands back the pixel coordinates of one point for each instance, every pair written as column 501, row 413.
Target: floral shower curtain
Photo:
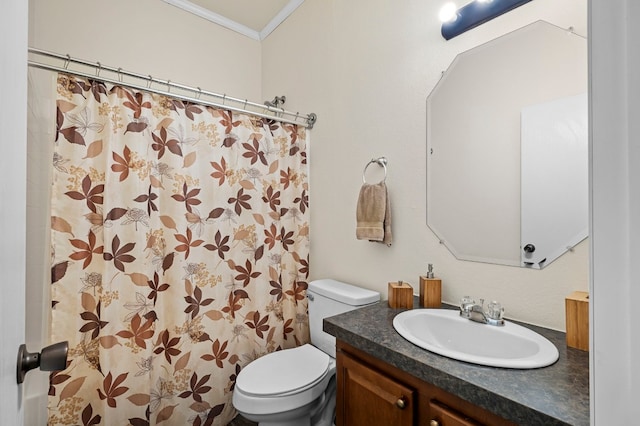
column 179, row 252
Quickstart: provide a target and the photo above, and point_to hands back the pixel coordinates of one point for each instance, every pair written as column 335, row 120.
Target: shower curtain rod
column 194, row 95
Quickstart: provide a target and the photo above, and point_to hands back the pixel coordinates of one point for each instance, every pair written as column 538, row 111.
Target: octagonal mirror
column 507, row 149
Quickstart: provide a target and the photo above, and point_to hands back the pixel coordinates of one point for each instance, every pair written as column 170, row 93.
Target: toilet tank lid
column 343, row 292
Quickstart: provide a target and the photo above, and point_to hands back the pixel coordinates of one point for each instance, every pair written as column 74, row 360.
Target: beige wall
column 149, row 37
column 366, row 67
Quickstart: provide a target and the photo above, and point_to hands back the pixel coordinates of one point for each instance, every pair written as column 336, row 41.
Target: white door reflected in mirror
column 555, row 174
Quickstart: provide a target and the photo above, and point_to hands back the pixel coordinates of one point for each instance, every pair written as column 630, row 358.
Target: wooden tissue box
column 577, row 320
column 400, row 295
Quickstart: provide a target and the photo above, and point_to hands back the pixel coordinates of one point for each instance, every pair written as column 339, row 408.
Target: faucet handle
column 466, row 301
column 466, row 304
column 495, row 310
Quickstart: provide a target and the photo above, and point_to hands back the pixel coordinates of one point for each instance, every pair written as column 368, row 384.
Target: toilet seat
column 289, row 379
column 285, row 372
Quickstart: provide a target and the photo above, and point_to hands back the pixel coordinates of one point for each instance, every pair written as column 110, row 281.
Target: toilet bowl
column 296, row 387
column 284, row 387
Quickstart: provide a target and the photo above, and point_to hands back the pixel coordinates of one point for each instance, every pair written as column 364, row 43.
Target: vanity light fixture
column 455, row 22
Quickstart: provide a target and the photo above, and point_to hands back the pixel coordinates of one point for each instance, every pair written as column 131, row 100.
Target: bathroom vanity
column 384, row 379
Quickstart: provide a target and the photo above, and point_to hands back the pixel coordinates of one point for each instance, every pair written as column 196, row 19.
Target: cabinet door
column 442, row 415
column 368, row 397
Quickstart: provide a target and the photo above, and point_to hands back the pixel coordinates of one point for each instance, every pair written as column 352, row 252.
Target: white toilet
column 297, row 386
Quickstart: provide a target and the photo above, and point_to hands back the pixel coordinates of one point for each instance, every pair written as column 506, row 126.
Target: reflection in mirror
column 507, row 123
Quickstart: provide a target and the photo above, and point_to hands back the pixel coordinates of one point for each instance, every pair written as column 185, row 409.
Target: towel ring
column 382, row 161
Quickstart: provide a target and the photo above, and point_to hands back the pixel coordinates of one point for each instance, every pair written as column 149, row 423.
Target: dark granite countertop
column 554, row 395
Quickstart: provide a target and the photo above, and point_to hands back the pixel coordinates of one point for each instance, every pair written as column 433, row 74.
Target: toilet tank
column 329, row 297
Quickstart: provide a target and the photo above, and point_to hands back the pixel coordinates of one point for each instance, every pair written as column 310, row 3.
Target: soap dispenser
column 430, row 290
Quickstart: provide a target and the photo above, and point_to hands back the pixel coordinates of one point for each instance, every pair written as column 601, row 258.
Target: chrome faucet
column 471, row 310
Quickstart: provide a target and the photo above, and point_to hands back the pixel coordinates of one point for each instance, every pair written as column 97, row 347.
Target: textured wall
column 366, row 67
column 149, row 37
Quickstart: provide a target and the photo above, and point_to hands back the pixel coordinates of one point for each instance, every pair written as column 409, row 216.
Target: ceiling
column 253, row 18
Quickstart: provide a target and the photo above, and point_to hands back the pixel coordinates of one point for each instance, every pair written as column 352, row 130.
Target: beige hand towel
column 373, row 214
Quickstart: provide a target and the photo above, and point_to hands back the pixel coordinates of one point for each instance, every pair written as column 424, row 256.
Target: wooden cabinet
column 371, row 392
column 442, row 415
column 369, row 397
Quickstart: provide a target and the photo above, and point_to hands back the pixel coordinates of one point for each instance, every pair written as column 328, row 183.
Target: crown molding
column 232, row 25
column 284, row 13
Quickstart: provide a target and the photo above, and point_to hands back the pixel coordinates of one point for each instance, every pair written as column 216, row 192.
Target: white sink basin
column 444, row 332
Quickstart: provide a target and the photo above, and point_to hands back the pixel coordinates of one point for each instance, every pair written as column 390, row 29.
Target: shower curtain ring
column 120, row 75
column 245, row 104
column 99, row 68
column 224, row 98
column 169, row 86
column 199, row 93
column 66, row 62
column 149, row 80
